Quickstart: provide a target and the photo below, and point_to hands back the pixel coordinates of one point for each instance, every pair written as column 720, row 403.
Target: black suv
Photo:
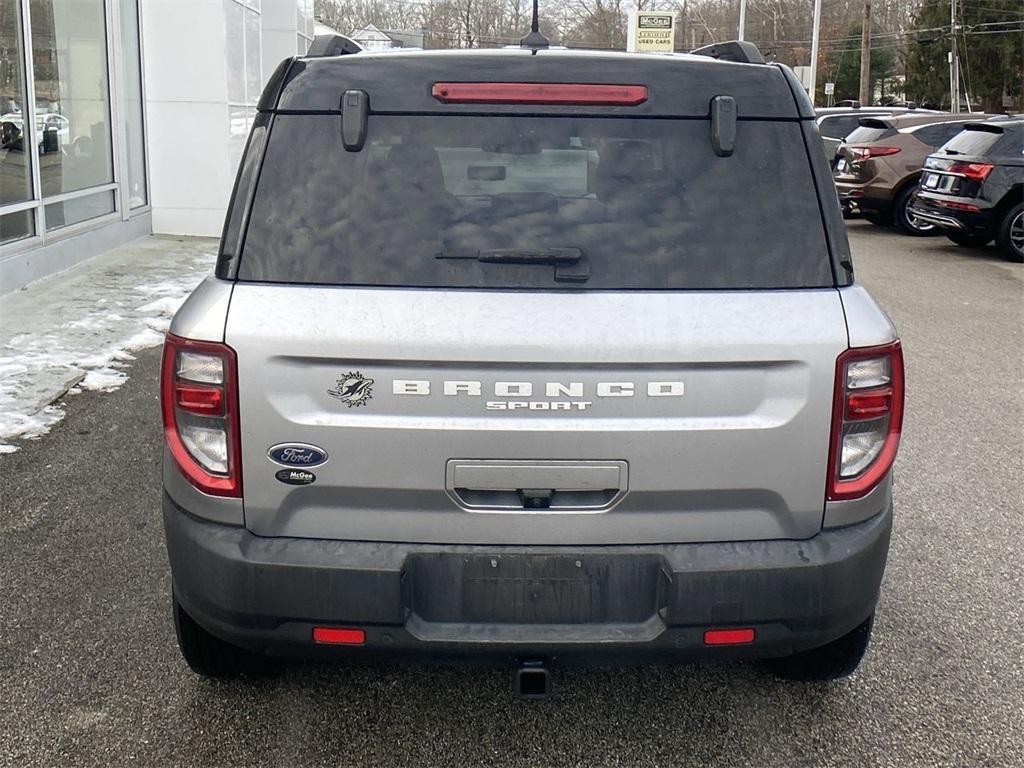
column 973, row 187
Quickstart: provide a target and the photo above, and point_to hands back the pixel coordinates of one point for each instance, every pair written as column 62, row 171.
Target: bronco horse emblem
column 353, row 389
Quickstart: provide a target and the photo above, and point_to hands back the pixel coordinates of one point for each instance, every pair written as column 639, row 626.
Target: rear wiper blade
column 571, row 264
column 520, row 255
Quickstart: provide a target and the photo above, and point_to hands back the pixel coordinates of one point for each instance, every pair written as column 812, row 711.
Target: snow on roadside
column 77, row 330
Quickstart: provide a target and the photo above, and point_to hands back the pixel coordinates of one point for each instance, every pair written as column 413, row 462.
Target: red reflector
column 728, row 636
column 869, row 404
column 958, row 206
column 338, row 636
column 206, row 401
column 540, row 93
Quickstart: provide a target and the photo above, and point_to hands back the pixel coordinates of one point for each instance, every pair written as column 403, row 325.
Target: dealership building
column 140, row 110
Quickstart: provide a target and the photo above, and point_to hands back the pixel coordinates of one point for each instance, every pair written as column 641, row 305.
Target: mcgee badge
column 353, row 389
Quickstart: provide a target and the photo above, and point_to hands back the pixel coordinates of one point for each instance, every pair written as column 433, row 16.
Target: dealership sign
column 651, row 32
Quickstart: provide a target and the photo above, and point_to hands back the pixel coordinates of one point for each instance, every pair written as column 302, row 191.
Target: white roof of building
column 370, row 33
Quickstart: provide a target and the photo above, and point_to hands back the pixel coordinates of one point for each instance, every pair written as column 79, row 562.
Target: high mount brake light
column 867, row 418
column 199, row 402
column 972, row 171
column 540, row 93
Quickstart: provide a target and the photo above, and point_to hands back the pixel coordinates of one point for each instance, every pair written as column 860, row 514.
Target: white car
column 44, row 122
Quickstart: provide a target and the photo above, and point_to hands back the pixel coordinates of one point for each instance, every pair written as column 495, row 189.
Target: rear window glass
column 865, row 134
column 535, row 202
column 972, row 142
column 839, row 127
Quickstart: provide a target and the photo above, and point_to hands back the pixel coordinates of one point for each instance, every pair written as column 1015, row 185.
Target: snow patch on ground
column 75, row 331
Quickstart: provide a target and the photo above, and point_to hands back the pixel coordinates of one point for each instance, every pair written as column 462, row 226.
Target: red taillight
column 202, row 399
column 866, row 153
column 867, row 418
column 199, row 402
column 868, row 405
column 972, row 171
column 338, row 636
column 540, row 93
column 729, row 636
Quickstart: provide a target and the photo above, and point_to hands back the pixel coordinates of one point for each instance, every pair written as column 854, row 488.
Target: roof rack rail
column 732, row 50
column 332, row 45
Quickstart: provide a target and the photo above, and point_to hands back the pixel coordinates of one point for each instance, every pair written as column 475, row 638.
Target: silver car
column 521, row 354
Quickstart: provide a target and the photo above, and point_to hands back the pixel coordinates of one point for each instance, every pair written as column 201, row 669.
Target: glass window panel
column 15, row 171
column 80, row 209
column 237, row 133
column 253, row 64
column 15, row 226
column 301, row 45
column 235, row 50
column 135, row 178
column 69, row 54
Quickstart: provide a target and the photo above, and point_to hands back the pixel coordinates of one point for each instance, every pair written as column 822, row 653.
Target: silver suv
column 534, row 354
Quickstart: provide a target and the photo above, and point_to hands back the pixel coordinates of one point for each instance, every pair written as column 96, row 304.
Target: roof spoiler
column 742, row 51
column 875, row 122
column 332, row 45
column 989, row 127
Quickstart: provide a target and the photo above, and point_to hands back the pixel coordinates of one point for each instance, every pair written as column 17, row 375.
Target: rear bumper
column 971, row 222
column 267, row 594
column 864, row 195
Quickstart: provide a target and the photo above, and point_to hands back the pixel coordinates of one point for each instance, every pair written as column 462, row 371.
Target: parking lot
column 90, row 674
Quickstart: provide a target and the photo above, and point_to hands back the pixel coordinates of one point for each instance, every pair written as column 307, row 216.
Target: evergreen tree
column 991, row 46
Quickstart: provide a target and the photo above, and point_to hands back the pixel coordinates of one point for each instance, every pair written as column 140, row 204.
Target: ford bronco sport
column 531, row 354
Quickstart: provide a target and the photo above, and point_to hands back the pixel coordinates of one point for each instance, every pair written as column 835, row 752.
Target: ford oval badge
column 297, row 455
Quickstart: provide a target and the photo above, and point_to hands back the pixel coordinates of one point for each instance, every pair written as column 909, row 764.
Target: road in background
column 90, row 674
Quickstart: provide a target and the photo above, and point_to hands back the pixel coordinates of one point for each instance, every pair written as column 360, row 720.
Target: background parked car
column 878, row 165
column 54, row 124
column 836, row 123
column 973, row 187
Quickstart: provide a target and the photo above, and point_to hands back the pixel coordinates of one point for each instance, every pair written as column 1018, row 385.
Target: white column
column 184, row 45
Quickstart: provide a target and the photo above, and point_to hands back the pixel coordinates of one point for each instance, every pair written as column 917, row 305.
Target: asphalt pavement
column 90, row 674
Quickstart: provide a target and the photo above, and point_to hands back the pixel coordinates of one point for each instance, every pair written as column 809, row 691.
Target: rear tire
column 878, row 218
column 906, row 222
column 969, row 239
column 209, row 656
column 1010, row 236
column 834, row 661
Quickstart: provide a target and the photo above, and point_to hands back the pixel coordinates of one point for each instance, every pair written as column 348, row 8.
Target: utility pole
column 954, row 62
column 814, row 50
column 865, row 56
column 741, row 28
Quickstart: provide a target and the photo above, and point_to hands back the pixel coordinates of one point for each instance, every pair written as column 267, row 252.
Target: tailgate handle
column 723, row 125
column 518, row 485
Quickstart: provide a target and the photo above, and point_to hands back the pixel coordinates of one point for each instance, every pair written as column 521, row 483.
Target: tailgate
column 491, row 417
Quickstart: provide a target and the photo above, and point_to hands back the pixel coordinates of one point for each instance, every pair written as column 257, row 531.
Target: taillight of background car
column 867, row 419
column 972, row 171
column 860, row 154
column 199, row 399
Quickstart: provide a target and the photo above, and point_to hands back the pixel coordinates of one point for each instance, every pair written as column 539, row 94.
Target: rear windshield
column 865, row 134
column 535, row 202
column 972, row 142
column 839, row 126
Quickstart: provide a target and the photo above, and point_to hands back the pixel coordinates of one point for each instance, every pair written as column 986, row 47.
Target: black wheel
column 969, row 239
column 838, row 659
column 210, row 656
column 1011, row 234
column 878, row 218
column 906, row 222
